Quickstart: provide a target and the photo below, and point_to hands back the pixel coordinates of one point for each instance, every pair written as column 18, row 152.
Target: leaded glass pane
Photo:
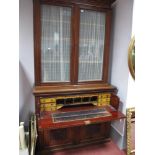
column 55, row 43
column 91, row 47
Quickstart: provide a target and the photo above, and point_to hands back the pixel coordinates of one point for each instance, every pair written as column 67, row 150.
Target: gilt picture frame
column 131, row 57
column 130, row 131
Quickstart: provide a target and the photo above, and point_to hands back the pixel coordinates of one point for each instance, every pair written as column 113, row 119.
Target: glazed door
column 55, row 43
column 91, row 45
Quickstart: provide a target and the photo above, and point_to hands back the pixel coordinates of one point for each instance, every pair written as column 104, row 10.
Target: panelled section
column 68, row 136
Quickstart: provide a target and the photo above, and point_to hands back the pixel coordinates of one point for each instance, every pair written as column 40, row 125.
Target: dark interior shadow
column 26, row 99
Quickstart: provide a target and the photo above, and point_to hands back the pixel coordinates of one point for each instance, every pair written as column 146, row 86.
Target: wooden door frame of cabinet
column 105, row 67
column 37, row 41
column 75, row 45
column 75, row 24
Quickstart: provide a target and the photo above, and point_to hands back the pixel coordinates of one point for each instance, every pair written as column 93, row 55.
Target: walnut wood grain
column 93, row 3
column 45, row 90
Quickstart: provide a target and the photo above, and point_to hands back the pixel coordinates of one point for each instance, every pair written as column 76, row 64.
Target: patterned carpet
column 102, row 149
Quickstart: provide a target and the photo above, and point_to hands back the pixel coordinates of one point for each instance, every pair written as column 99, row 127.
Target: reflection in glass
column 131, row 57
column 55, row 43
column 92, row 34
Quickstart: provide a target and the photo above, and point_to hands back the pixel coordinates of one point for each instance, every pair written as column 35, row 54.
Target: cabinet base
column 50, row 140
column 48, row 151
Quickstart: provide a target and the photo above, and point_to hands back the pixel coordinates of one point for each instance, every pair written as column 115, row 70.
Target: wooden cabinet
column 71, row 52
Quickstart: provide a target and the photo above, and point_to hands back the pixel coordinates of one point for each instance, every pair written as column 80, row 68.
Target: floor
column 102, row 149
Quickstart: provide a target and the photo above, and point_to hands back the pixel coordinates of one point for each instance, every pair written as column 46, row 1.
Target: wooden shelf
column 43, row 90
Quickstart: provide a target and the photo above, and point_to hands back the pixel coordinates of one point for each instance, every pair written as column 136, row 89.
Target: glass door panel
column 91, row 46
column 55, row 43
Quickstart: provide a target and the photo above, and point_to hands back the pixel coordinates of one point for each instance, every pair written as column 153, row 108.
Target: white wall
column 131, row 96
column 26, row 60
column 121, row 35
